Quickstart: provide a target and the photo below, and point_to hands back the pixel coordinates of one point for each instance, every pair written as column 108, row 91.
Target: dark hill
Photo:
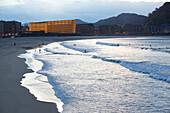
column 78, row 21
column 160, row 15
column 124, row 18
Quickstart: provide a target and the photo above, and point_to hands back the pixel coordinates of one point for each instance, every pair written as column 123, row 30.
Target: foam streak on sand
column 38, row 84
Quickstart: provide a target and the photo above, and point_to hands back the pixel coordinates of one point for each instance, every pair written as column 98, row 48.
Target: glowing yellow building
column 62, row 27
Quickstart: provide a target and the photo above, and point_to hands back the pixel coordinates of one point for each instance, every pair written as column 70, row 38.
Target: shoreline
column 96, row 35
column 15, row 98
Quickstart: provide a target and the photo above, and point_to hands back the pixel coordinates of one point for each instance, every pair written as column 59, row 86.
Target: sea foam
column 85, row 76
column 38, row 84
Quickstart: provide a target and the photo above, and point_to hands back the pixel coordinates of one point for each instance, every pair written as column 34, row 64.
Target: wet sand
column 13, row 97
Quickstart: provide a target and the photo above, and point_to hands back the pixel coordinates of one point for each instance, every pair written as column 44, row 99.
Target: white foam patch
column 38, row 84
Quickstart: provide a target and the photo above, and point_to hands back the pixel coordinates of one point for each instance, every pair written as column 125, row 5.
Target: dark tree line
column 160, row 15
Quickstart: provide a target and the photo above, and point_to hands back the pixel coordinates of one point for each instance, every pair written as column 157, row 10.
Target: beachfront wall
column 61, row 27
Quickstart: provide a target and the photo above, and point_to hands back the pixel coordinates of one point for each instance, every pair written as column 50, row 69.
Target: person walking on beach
column 39, row 50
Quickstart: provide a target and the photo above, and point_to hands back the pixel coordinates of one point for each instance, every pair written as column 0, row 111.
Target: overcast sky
column 86, row 10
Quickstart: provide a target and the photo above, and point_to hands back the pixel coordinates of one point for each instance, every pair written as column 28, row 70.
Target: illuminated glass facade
column 63, row 27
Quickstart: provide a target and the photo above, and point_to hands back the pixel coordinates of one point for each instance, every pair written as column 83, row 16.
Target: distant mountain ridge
column 124, row 18
column 78, row 21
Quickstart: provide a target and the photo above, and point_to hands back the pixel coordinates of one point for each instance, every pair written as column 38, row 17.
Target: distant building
column 117, row 29
column 157, row 28
column 165, row 28
column 25, row 28
column 131, row 29
column 106, row 30
column 153, row 28
column 59, row 27
column 10, row 28
column 1, row 27
column 85, row 29
column 109, row 30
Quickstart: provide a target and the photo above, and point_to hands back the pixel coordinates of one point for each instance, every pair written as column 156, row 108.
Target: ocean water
column 102, row 75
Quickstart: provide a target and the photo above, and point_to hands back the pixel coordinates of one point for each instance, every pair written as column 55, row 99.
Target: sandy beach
column 13, row 97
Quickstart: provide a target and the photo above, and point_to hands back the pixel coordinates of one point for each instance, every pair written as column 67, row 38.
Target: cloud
column 11, row 2
column 142, row 0
column 88, row 10
column 54, row 2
